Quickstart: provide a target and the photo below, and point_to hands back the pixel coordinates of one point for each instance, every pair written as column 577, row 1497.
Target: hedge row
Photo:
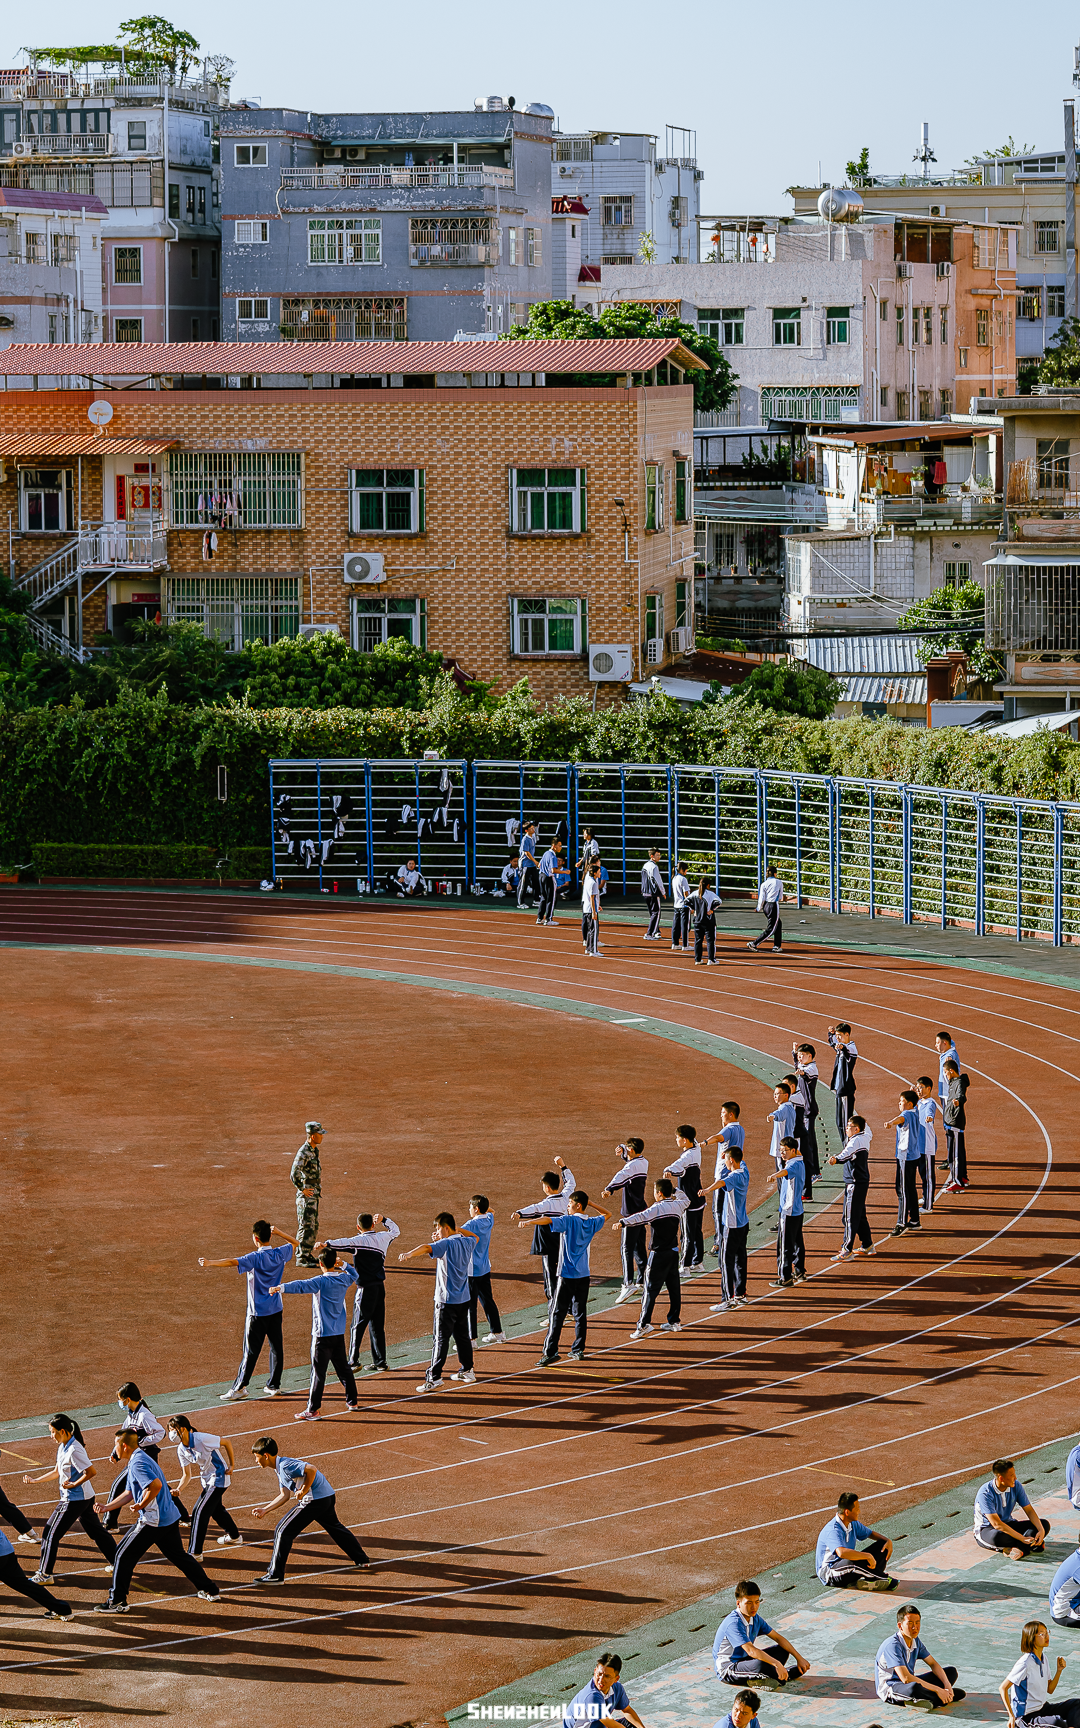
column 191, row 863
column 142, row 771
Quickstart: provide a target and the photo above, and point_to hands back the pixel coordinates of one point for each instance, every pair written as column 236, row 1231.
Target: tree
column 153, row 41
column 562, row 320
column 966, row 605
column 785, row 689
column 1061, row 362
column 858, row 171
column 647, row 248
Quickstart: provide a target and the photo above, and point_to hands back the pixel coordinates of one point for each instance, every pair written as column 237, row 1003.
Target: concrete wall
column 828, row 575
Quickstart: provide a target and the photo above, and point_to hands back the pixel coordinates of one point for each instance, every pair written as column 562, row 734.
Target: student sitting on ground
column 894, row 1667
column 604, row 1699
column 837, row 1558
column 1065, row 1592
column 739, row 1649
column 743, row 1713
column 1072, row 1477
column 407, row 883
column 507, row 884
column 1005, row 1517
column 1028, row 1684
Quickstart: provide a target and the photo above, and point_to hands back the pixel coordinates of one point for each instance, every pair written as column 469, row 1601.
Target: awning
column 80, row 444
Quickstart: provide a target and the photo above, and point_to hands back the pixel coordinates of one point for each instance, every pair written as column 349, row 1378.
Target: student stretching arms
column 74, row 1472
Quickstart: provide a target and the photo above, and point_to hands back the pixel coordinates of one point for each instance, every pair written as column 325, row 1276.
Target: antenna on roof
column 924, row 154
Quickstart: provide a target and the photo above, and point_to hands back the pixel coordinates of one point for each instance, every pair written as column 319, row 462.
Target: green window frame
column 787, row 327
column 682, row 603
column 654, row 617
column 654, row 496
column 548, row 500
column 837, row 326
column 551, row 624
column 387, row 501
column 683, row 489
column 375, row 619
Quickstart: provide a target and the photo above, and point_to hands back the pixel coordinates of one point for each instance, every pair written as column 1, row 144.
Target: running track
column 540, row 1512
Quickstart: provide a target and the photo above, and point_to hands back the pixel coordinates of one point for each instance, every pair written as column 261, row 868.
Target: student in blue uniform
column 731, row 1187
column 743, row 1713
column 374, row 1234
column 1026, row 1688
column 739, row 1649
column 329, row 1292
column 629, row 1184
column 929, row 1117
column 481, row 1223
column 782, row 1117
column 12, row 1574
column 557, row 1186
column 1005, row 1517
column 687, row 1170
column 316, row 1504
column 662, row 1268
column 529, row 881
column 158, row 1525
column 260, row 1269
column 1065, row 1592
column 136, row 1413
column 804, row 1057
column 800, row 1103
column 603, row 1699
column 954, row 1115
column 790, row 1252
column 854, row 1160
column 946, row 1052
column 843, row 1074
column 732, row 1133
column 680, row 916
column 839, row 1561
column 908, row 1159
column 894, row 1667
column 575, row 1232
column 208, row 1460
column 74, row 1473
column 549, row 870
column 1072, row 1477
column 452, row 1251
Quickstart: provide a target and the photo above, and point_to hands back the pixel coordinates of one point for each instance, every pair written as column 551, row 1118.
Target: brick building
column 507, row 519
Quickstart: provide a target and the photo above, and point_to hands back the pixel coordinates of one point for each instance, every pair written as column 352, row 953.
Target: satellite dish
column 99, row 413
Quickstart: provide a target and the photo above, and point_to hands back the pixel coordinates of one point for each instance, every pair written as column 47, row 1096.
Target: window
column 1052, row 455
column 944, row 323
column 946, row 404
column 884, row 396
column 534, row 247
column 837, row 320
column 365, row 318
column 928, row 325
column 962, row 359
column 252, row 311
column 899, row 325
column 127, row 264
column 1055, row 301
column 136, row 134
column 45, row 500
column 1046, row 236
column 386, row 501
column 617, row 212
column 883, row 311
column 194, row 329
column 194, row 261
column 213, row 264
column 242, row 489
column 654, row 495
column 202, row 203
column 926, row 405
column 787, row 327
column 519, row 312
column 206, row 128
column 174, row 201
column 956, row 575
column 214, row 329
column 682, row 489
column 189, row 203
column 249, row 155
column 455, row 240
column 345, row 240
column 547, row 626
column 654, row 617
column 548, row 500
column 982, row 327
column 251, row 233
column 616, row 258
column 1029, row 305
column 903, row 405
column 376, row 620
column 514, row 242
column 63, row 249
column 236, row 610
column 682, row 604
column 725, row 324
column 127, row 329
column 35, row 248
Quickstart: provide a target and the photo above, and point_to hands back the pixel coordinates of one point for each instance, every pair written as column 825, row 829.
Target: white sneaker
column 430, row 1386
column 42, row 1578
column 198, row 1556
column 466, row 1376
column 624, row 1294
column 494, row 1338
column 724, row 1307
column 640, row 1331
column 230, row 1541
column 232, row 1396
column 671, row 1326
column 28, row 1536
column 271, row 1391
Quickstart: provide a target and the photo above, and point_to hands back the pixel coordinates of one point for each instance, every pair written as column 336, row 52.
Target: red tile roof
column 71, row 203
column 222, row 359
column 81, row 444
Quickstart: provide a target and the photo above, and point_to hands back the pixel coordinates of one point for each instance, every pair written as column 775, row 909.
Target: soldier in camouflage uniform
column 306, row 1177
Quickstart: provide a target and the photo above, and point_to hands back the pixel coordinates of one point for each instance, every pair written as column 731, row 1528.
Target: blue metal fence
column 920, row 853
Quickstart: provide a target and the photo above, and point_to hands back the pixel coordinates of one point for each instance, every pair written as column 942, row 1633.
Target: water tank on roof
column 540, row 108
column 839, row 204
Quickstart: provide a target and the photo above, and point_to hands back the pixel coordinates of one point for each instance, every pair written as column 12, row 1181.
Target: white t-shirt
column 409, row 877
column 771, row 889
column 1028, row 1683
column 680, row 889
column 71, row 1460
column 590, row 896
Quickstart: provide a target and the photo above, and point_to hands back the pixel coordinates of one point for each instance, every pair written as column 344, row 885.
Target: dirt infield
column 538, row 1512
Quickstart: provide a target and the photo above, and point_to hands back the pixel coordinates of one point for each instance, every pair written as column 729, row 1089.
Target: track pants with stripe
column 907, row 1191
column 954, row 1141
column 733, row 1260
column 911, row 1691
column 752, row 1668
column 329, row 1353
column 1063, row 1713
column 369, row 1315
column 67, row 1513
column 790, row 1254
column 260, row 1329
column 845, row 1109
column 571, row 1296
column 322, row 1512
column 927, row 1173
column 652, row 901
column 451, row 1321
column 12, row 1574
column 633, row 1253
column 165, row 1537
column 550, row 1268
column 988, row 1537
column 210, row 1504
column 480, row 1295
column 845, row 1574
column 693, row 1237
column 856, row 1222
column 662, row 1269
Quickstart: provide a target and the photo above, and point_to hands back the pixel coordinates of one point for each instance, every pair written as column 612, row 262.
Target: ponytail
column 69, row 1426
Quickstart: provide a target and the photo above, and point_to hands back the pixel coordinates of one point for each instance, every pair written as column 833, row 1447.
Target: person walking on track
column 854, row 1158
column 770, row 899
column 306, row 1178
column 653, row 891
column 733, row 1226
column 954, row 1113
column 328, row 1292
column 843, row 1074
column 549, row 869
column 369, row 1248
column 929, row 1114
column 261, row 1269
column 908, row 1159
column 575, row 1232
column 528, row 881
column 316, row 1504
column 680, row 914
column 74, row 1473
column 208, row 1460
column 557, row 1184
column 687, row 1169
column 629, row 1183
column 790, row 1253
column 13, row 1576
column 662, row 1268
column 452, row 1251
column 158, row 1526
column 590, row 911
column 481, row 1223
column 704, row 902
column 137, row 1415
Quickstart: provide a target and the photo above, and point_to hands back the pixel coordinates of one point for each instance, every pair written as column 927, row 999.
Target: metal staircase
column 102, row 550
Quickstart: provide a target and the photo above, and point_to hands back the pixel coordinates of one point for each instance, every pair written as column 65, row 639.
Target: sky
column 771, row 90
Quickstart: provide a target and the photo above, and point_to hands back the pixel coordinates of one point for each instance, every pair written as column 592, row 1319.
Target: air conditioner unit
column 937, row 209
column 654, row 651
column 611, row 663
column 904, row 272
column 308, row 630
column 681, row 640
column 22, row 147
column 332, row 153
column 944, row 269
column 364, row 567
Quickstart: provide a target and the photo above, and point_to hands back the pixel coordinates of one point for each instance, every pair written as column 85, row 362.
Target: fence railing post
column 1019, row 872
column 906, row 824
column 318, row 815
column 980, row 868
column 762, row 834
column 838, row 841
column 798, row 843
column 870, row 825
column 622, row 790
column 831, row 805
column 1059, row 874
column 944, row 860
column 369, row 825
column 673, row 820
column 716, row 827
column 273, row 830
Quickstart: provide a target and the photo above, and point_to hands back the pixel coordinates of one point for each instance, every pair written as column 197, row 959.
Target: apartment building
column 384, row 227
column 144, row 150
column 50, row 266
column 632, row 200
column 511, row 518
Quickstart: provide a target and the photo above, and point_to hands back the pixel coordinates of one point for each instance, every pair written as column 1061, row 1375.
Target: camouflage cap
column 313, row 1127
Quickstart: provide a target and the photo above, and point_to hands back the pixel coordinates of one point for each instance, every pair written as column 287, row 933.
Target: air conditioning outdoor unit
column 654, row 651
column 682, row 639
column 944, row 269
column 319, row 630
column 22, row 147
column 937, row 209
column 611, row 663
column 364, row 567
column 904, row 271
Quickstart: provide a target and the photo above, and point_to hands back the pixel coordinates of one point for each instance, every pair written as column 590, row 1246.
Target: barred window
column 377, row 620
column 617, row 211
column 360, row 318
column 252, row 311
column 454, row 240
column 237, row 489
column 127, row 263
column 345, row 240
column 236, row 610
column 548, row 625
column 547, row 500
column 252, row 233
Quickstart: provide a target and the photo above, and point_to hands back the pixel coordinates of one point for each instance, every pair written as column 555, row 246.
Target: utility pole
column 1070, row 196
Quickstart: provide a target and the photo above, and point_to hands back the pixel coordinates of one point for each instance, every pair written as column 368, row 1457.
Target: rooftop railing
column 66, row 144
column 332, row 178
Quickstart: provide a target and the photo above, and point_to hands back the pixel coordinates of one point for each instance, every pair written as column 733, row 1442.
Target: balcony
column 369, row 179
column 52, row 86
column 451, row 253
column 66, row 144
column 113, row 546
